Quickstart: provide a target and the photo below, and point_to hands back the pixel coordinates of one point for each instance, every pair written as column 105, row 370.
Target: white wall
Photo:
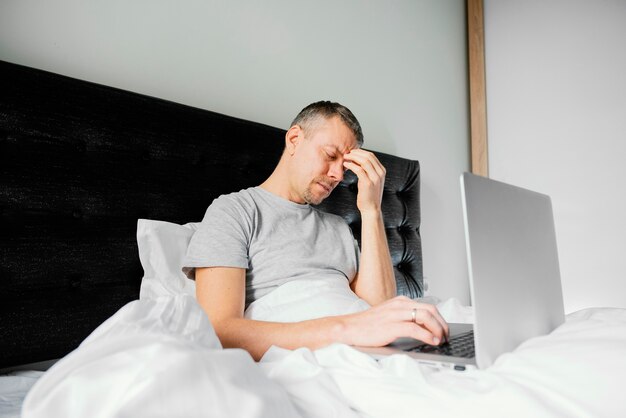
column 556, row 94
column 400, row 66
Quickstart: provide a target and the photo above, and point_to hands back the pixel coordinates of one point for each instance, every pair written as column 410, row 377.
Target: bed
column 101, row 191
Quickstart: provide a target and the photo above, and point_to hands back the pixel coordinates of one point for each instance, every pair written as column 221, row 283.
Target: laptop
column 515, row 284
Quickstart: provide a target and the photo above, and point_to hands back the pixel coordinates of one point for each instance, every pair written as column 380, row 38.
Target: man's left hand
column 371, row 175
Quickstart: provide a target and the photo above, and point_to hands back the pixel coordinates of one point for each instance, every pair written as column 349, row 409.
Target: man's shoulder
column 235, row 203
column 244, row 197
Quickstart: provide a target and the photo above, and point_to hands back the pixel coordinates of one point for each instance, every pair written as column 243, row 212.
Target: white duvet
column 160, row 357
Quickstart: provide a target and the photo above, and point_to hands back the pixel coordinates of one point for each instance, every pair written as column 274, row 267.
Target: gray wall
column 400, row 66
column 556, row 94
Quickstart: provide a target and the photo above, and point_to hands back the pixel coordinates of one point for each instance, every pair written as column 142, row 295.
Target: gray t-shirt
column 274, row 239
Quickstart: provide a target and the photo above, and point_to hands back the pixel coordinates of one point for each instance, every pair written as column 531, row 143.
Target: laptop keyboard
column 461, row 345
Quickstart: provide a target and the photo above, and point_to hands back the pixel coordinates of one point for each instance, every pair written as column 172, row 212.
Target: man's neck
column 277, row 183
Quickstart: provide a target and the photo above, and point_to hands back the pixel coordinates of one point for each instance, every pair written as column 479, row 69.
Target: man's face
column 317, row 163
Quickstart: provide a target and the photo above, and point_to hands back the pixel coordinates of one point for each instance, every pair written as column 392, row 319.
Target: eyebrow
column 336, row 148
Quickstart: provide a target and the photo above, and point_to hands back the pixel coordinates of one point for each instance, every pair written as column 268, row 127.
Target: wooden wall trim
column 478, row 101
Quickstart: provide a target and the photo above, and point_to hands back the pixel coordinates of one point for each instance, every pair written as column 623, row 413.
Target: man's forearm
column 373, row 327
column 257, row 337
column 375, row 281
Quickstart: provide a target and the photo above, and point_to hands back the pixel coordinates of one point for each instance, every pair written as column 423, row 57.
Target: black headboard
column 81, row 162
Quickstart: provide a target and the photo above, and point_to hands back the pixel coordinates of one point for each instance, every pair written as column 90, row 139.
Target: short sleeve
column 222, row 238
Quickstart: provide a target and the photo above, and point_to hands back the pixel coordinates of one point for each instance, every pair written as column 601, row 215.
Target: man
column 255, row 240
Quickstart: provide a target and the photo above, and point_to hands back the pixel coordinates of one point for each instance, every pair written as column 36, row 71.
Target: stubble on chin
column 310, row 198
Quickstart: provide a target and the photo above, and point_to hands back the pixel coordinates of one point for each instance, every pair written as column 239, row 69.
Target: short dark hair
column 326, row 109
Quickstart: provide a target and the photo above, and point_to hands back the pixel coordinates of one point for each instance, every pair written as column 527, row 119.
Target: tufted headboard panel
column 81, row 162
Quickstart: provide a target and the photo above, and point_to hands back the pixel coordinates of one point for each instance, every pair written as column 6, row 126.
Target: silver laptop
column 514, row 276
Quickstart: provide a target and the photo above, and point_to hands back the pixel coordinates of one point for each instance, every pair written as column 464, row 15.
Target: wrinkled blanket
column 161, row 357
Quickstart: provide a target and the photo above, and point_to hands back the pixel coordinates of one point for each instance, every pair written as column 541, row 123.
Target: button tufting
column 74, row 281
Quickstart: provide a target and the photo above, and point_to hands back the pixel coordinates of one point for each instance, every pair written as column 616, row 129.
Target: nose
column 336, row 171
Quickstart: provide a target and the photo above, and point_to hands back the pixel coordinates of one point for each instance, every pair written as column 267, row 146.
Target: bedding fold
column 157, row 358
column 161, row 357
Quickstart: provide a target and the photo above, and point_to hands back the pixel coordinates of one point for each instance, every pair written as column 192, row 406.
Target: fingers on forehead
column 360, row 155
column 352, row 166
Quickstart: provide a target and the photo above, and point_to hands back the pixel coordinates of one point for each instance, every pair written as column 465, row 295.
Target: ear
column 292, row 139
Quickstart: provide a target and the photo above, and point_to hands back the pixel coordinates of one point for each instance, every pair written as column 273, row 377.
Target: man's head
column 315, row 145
column 310, row 116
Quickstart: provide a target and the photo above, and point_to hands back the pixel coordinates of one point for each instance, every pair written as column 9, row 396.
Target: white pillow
column 162, row 248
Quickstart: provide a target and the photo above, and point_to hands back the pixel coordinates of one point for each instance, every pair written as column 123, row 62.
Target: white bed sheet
column 13, row 389
column 160, row 357
column 577, row 371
